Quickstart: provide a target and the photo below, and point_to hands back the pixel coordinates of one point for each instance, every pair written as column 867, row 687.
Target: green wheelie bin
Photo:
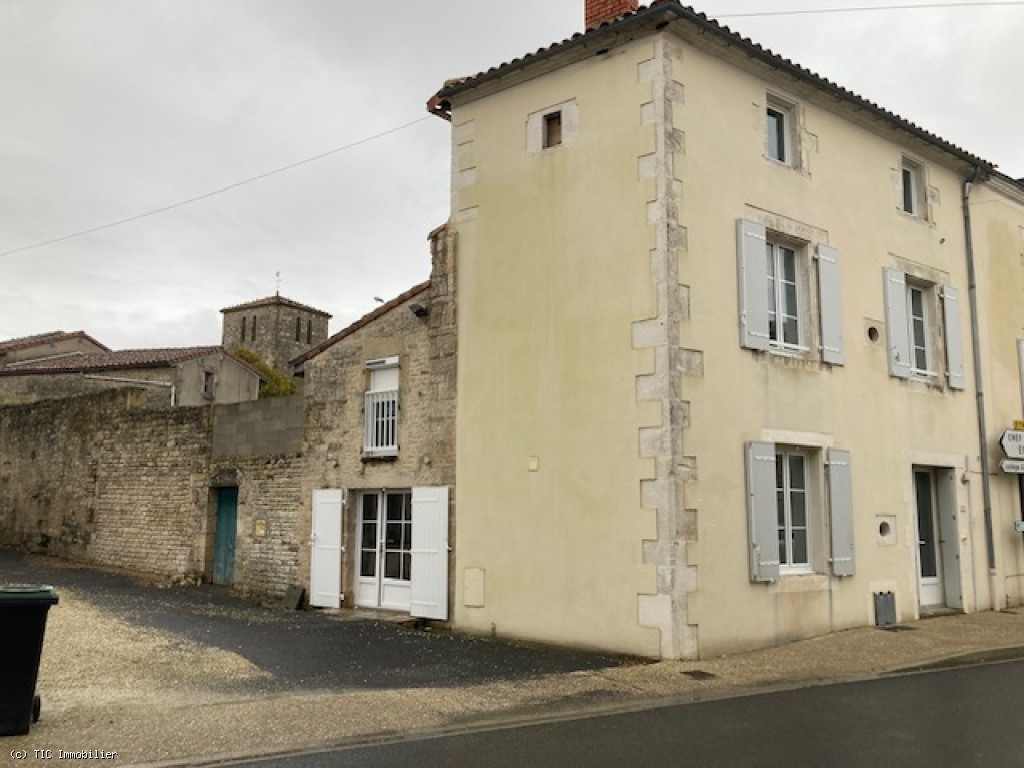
column 23, row 610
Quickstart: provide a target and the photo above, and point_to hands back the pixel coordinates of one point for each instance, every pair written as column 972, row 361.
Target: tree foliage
column 275, row 383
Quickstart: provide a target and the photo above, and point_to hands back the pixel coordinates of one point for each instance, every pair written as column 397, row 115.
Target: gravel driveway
column 124, row 637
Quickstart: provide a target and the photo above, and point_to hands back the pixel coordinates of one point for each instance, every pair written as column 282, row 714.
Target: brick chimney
column 598, row 11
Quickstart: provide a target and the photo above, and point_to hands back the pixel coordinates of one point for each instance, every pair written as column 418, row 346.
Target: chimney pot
column 599, row 11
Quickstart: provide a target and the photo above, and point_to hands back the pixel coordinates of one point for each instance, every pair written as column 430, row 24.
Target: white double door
column 402, row 561
column 384, row 575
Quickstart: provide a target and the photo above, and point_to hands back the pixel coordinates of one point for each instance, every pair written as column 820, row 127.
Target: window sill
column 379, row 457
column 914, row 216
column 801, row 581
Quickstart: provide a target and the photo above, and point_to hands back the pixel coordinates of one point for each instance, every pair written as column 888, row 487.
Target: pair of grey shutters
column 762, row 509
column 897, row 321
column 751, row 238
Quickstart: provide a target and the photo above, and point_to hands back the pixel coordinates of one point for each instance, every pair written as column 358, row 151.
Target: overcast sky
column 114, row 108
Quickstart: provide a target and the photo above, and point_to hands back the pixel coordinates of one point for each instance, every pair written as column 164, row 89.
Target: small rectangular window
column 780, row 131
column 209, row 383
column 912, row 187
column 243, row 329
column 552, row 129
column 298, row 329
column 309, row 331
column 252, row 330
column 776, row 126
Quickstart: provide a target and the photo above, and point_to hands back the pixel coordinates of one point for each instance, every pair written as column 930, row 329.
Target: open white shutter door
column 325, row 561
column 430, row 553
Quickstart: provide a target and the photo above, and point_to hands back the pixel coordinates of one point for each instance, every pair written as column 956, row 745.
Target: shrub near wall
column 100, row 479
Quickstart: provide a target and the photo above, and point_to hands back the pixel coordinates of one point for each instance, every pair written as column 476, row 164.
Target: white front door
column 326, row 545
column 385, row 550
column 929, row 551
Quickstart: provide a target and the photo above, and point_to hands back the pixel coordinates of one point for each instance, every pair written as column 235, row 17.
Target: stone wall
column 103, row 479
column 270, row 507
column 30, row 388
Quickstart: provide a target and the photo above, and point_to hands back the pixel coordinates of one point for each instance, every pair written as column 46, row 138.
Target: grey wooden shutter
column 954, row 339
column 840, row 502
column 763, row 512
column 830, row 301
column 896, row 323
column 750, row 247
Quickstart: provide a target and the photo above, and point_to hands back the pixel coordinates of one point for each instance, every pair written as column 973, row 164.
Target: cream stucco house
column 736, row 349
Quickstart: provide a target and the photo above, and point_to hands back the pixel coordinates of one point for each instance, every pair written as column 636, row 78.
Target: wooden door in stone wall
column 224, row 538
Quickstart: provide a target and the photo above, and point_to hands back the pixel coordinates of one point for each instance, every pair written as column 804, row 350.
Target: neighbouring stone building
column 181, row 376
column 275, row 328
column 380, row 454
column 48, row 346
column 254, row 494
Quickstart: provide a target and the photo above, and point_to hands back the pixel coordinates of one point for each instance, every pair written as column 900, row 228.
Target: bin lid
column 34, row 593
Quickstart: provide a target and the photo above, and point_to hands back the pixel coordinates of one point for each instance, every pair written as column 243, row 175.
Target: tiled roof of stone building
column 360, row 323
column 661, row 13
column 127, row 358
column 270, row 301
column 46, row 338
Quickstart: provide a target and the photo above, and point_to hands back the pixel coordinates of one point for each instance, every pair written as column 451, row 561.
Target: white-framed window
column 912, row 187
column 789, row 302
column 800, row 508
column 780, row 134
column 785, row 280
column 918, row 317
column 922, row 323
column 793, row 502
column 380, row 408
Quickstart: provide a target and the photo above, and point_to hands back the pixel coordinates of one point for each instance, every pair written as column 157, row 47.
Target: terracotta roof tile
column 127, row 358
column 46, row 338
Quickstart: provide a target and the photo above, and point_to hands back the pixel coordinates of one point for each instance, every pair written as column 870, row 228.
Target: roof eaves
column 365, row 320
column 667, row 11
column 271, row 300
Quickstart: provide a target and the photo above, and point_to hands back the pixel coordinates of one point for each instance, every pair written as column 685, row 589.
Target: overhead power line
column 865, row 8
column 214, row 193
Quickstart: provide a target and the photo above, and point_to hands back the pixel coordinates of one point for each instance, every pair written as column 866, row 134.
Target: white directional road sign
column 1013, row 466
column 1013, row 443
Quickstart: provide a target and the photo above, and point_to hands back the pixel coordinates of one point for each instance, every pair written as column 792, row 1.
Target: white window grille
column 380, row 409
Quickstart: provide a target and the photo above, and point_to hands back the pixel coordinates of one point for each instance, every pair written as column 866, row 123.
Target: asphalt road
column 303, row 650
column 958, row 718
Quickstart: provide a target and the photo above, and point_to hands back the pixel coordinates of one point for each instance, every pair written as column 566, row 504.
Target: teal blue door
column 224, row 538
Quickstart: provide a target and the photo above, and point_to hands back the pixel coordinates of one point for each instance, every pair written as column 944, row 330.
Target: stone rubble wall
column 103, row 479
